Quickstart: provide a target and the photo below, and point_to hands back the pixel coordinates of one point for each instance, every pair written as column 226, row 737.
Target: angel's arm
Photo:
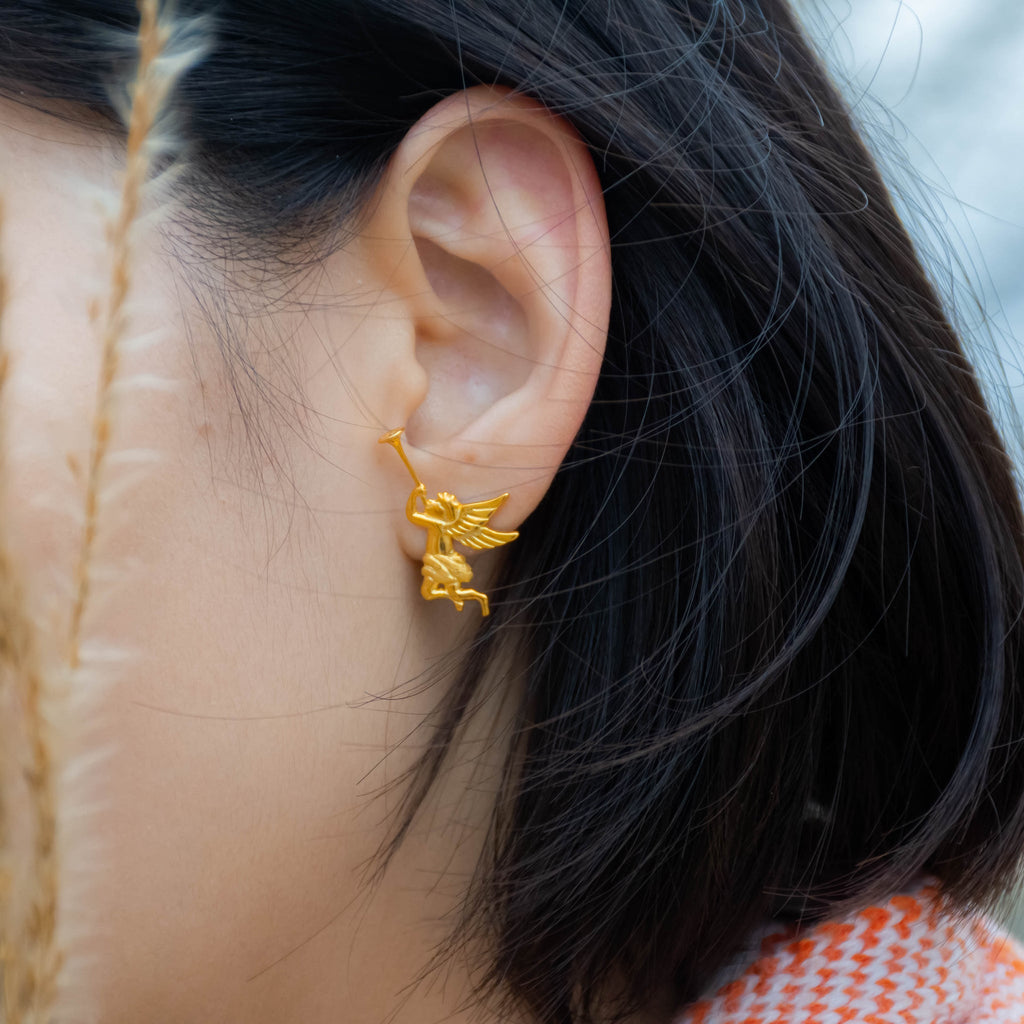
column 412, row 513
column 410, row 506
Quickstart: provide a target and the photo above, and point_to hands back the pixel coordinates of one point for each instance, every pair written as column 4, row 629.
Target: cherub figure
column 447, row 520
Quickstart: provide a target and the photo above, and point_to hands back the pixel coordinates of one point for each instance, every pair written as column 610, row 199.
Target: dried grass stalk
column 148, row 94
column 30, row 959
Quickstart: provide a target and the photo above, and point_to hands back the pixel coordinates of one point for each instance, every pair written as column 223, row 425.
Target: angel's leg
column 475, row 595
column 432, row 590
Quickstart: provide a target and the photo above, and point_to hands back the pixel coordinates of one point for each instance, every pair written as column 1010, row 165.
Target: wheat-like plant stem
column 147, row 95
column 30, row 960
column 28, row 942
column 8, row 645
column 28, row 949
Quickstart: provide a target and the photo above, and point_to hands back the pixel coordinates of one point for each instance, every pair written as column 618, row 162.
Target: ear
column 490, row 232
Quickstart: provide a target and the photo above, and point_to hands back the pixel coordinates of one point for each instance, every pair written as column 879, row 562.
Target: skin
column 262, row 596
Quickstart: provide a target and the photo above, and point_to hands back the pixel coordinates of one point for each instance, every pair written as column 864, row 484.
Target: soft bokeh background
column 939, row 87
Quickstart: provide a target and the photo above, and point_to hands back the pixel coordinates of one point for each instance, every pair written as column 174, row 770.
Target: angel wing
column 471, row 527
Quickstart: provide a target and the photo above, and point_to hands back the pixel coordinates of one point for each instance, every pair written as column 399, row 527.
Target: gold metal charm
column 446, row 521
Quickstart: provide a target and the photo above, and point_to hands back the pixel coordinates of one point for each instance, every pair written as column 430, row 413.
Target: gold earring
column 447, row 520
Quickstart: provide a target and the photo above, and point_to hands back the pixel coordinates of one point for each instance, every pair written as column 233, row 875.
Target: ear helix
column 447, row 521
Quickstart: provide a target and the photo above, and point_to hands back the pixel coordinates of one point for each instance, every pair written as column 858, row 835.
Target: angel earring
column 447, row 520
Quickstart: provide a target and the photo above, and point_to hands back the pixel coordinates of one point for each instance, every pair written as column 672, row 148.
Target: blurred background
column 938, row 88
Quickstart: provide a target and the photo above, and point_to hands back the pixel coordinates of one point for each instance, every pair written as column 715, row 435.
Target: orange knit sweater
column 908, row 961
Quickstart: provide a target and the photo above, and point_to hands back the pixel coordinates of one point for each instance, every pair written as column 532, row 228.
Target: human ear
column 489, row 230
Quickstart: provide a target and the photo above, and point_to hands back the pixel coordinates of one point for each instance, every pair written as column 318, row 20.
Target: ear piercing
column 447, row 521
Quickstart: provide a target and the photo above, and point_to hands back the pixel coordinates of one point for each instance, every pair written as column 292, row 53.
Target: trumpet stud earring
column 447, row 521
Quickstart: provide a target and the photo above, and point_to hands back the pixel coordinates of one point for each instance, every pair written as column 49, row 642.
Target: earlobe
column 496, row 209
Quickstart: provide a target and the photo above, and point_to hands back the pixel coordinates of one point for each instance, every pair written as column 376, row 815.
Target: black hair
column 770, row 608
